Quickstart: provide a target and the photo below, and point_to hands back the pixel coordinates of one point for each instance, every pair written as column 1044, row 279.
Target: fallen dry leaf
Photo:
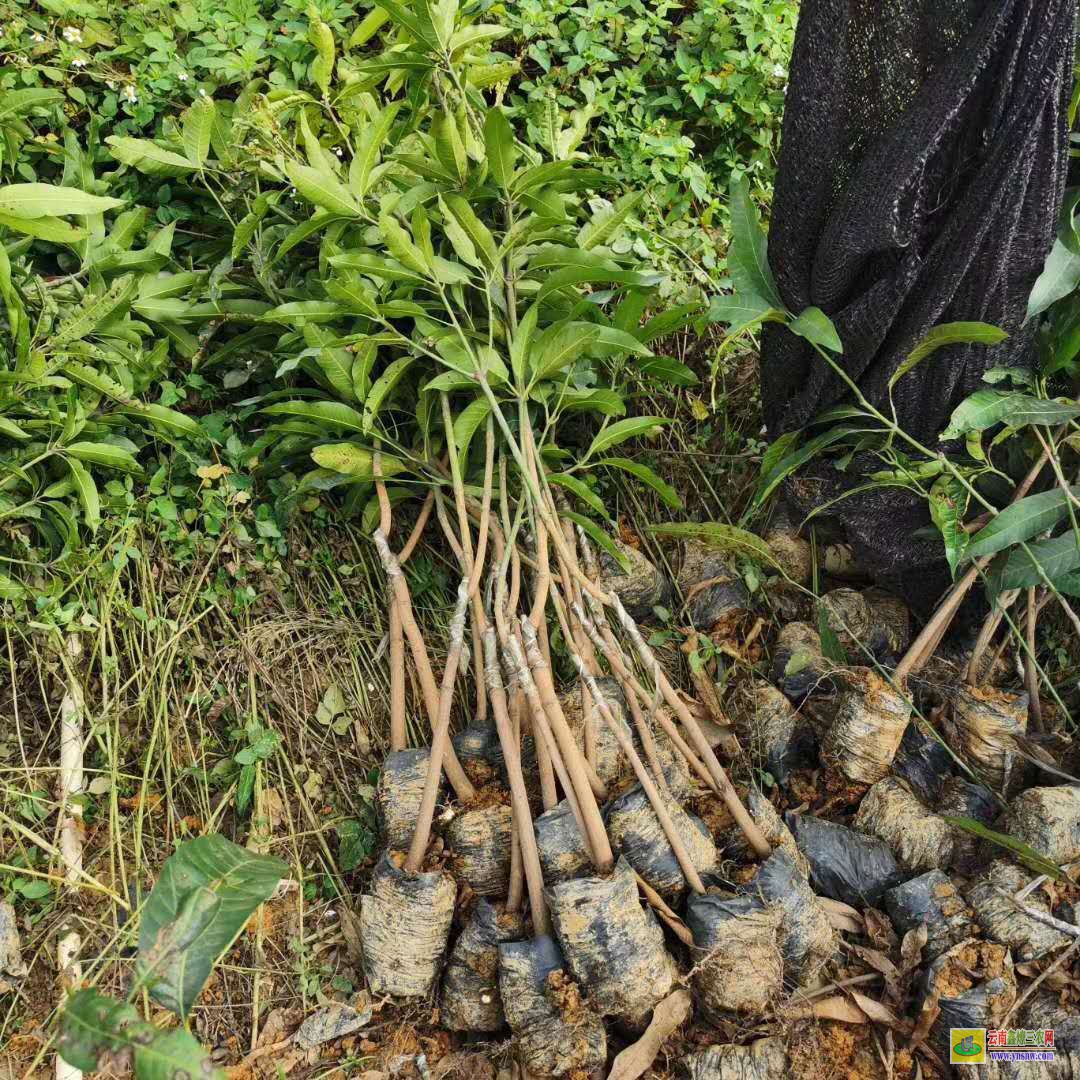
column 667, row 1016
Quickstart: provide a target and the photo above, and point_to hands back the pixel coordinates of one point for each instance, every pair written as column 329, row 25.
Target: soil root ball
column 870, row 721
column 765, row 1059
column 777, row 736
column 984, row 724
column 890, row 623
column 556, row 1032
column 562, row 849
column 974, row 985
column 610, row 764
column 398, row 794
column 1002, row 921
column 793, row 555
column 676, row 768
column 405, row 926
column 848, row 616
column 1045, row 1010
column 1048, row 820
column 470, row 999
column 959, row 798
column 919, row 839
column 636, row 832
column 923, row 762
column 480, row 842
column 715, row 596
column 738, row 958
column 799, row 665
column 615, row 949
column 934, row 900
column 768, row 820
column 809, row 941
column 844, row 865
column 640, row 586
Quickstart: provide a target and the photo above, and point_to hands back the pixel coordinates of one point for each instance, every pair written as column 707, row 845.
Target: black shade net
column 921, row 177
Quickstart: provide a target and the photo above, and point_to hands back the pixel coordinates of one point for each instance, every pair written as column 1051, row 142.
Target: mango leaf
column 606, row 223
column 323, row 189
column 88, row 493
column 383, row 387
column 1060, row 276
column 206, row 893
column 954, row 333
column 355, row 461
column 322, row 67
column 499, row 144
column 198, row 124
column 1021, row 521
column 667, row 493
column 557, row 347
column 52, row 229
column 1020, row 569
column 147, row 157
column 817, row 328
column 667, row 369
column 95, row 312
column 1026, row 854
column 721, row 537
column 599, row 537
column 96, row 380
column 93, row 1026
column 622, row 430
column 323, row 412
column 742, row 310
column 985, row 408
column 30, row 201
column 748, row 255
column 581, row 490
column 948, row 504
column 104, row 454
column 777, row 466
column 478, row 233
column 467, row 423
column 11, row 430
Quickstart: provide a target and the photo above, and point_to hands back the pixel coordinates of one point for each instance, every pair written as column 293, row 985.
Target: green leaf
column 721, row 537
column 748, row 255
column 368, row 149
column 499, row 144
column 1020, row 570
column 51, row 229
column 93, row 1025
column 606, row 223
column 383, row 387
column 948, row 504
column 742, row 310
column 1060, row 276
column 449, row 147
column 322, row 412
column 12, row 430
column 10, row 589
column 775, row 469
column 985, row 408
column 355, row 461
column 171, row 421
column 104, row 454
column 246, row 226
column 1026, row 854
column 95, row 311
column 198, row 124
column 579, row 275
column 323, row 190
column 831, row 648
column 147, row 157
column 88, row 493
column 561, row 344
column 646, row 475
column 474, row 229
column 322, row 67
column 581, row 490
column 85, row 375
column 954, row 333
column 814, row 325
column 599, row 537
column 206, row 893
column 622, row 430
column 466, row 424
column 1021, row 521
column 30, row 201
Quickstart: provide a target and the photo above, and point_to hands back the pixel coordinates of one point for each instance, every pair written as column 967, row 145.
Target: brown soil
column 834, row 1051
column 490, row 795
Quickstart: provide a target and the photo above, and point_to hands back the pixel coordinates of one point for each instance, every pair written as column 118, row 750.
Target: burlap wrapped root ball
column 919, row 839
column 867, row 729
column 799, row 666
column 610, row 762
column 635, row 831
column 555, row 1031
column 1002, row 921
column 765, row 1059
column 848, row 616
column 776, row 736
column 960, row 798
column 715, row 596
column 890, row 623
column 614, row 947
column 562, row 849
column 480, row 842
column 733, row 840
column 404, row 927
column 641, row 586
column 470, row 999
column 982, row 726
column 1047, row 819
column 738, row 959
column 931, row 899
column 398, row 794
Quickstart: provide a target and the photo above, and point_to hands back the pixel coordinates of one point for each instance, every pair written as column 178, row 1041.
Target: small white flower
column 339, row 152
column 202, row 92
column 73, row 34
column 78, row 62
column 131, row 94
column 37, row 38
column 182, row 76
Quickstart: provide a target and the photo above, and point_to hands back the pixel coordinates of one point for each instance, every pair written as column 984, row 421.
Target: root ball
column 934, row 900
column 765, row 1059
column 1002, row 921
column 610, row 764
column 405, row 926
column 865, row 735
column 1048, row 820
column 398, row 794
column 562, row 849
column 641, row 586
column 480, row 841
column 917, row 836
column 716, row 598
column 985, row 722
column 799, row 666
column 959, row 798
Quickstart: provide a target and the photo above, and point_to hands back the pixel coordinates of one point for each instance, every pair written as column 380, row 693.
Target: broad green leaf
column 557, row 347
column 776, row 469
column 582, row 275
column 400, row 243
column 499, row 144
column 334, row 361
column 246, row 226
column 323, row 412
column 52, row 229
column 985, row 408
column 206, row 893
column 323, row 190
column 581, row 490
column 449, row 147
column 368, row 27
column 50, row 200
column 521, row 344
column 1021, row 568
column 667, row 493
column 599, row 537
column 88, row 493
column 93, row 1025
column 1021, row 521
column 20, row 102
column 1039, row 864
column 468, row 37
column 11, row 430
column 104, row 454
column 171, row 421
column 605, row 402
column 721, row 537
column 322, row 67
column 147, row 157
column 666, row 369
column 817, row 328
column 95, row 312
column 954, row 333
column 355, row 461
column 90, row 377
column 606, row 223
column 622, row 430
column 298, row 312
column 748, row 255
column 474, row 228
column 466, row 424
column 198, row 124
column 1060, row 276
column 742, row 310
column 948, row 504
column 369, row 147
column 383, row 387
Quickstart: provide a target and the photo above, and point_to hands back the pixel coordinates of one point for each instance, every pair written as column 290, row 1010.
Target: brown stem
column 1031, row 672
column 525, row 700
column 660, row 906
column 440, row 738
column 986, row 634
column 398, row 732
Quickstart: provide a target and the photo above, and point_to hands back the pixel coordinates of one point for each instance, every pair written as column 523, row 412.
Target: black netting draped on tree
column 921, row 175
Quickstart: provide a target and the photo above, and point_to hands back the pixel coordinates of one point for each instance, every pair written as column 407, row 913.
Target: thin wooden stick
column 1031, row 671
